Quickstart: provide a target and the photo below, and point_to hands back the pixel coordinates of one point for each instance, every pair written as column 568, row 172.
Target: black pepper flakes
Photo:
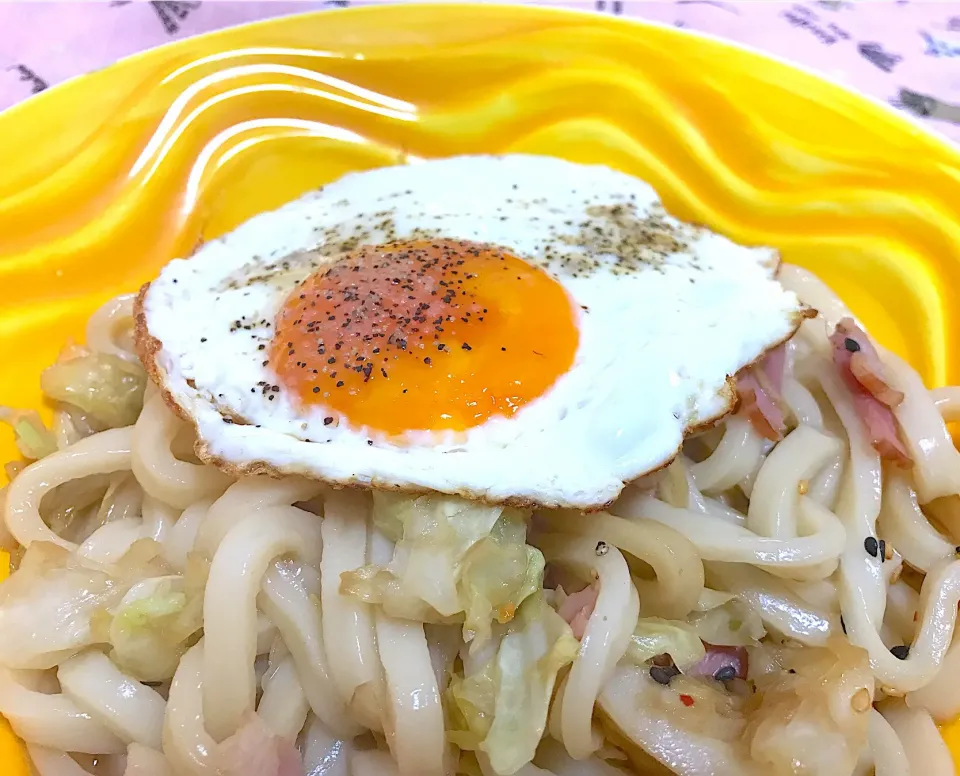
column 601, row 549
column 465, row 346
column 327, row 421
column 851, row 345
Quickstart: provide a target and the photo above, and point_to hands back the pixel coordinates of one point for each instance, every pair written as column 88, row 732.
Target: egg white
column 657, row 344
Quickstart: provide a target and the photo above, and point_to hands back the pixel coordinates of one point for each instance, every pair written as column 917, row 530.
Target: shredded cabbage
column 106, row 387
column 499, row 573
column 46, row 608
column 153, row 626
column 453, row 560
column 501, row 710
column 725, row 620
column 34, row 440
column 654, row 636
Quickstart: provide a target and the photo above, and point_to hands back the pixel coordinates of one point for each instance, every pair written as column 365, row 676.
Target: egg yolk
column 424, row 335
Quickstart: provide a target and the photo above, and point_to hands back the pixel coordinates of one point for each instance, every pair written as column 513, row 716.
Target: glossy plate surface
column 107, row 177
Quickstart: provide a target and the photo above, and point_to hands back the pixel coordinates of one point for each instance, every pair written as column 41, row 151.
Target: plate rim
column 909, row 120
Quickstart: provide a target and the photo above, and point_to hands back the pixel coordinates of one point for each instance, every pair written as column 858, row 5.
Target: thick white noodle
column 886, row 750
column 111, row 541
column 721, row 541
column 947, row 402
column 348, row 624
column 939, row 597
column 936, row 469
column 230, row 609
column 669, row 553
column 104, row 323
column 605, row 637
column 186, row 742
column 159, row 472
column 824, row 488
column 283, row 707
column 285, row 599
column 158, row 519
column 323, row 753
column 131, row 710
column 775, row 498
column 940, row 696
column 902, row 614
column 738, row 454
column 779, row 607
column 922, row 744
column 373, row 763
column 802, row 404
column 144, row 761
column 51, row 762
column 858, row 506
column 903, row 525
column 552, row 757
column 182, row 536
column 414, row 722
column 53, row 721
column 105, row 453
column 244, row 497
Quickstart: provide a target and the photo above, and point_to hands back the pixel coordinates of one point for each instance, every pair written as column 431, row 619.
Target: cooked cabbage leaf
column 453, row 559
column 725, row 620
column 106, row 387
column 34, row 440
column 501, row 710
column 153, row 625
column 654, row 636
column 47, row 604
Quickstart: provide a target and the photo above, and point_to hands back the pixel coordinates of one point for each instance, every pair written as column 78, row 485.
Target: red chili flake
column 686, row 700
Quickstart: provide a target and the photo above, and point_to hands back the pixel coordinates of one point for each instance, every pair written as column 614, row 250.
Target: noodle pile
column 756, row 608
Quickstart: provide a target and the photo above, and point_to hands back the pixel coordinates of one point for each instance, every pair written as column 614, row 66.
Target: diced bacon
column 577, row 608
column 862, row 372
column 761, row 409
column 859, row 363
column 774, row 365
column 254, row 750
column 720, row 657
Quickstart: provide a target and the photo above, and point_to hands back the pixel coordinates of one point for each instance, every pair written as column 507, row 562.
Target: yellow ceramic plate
column 107, row 177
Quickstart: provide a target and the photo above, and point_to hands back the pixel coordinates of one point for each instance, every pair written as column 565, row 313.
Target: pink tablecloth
column 906, row 53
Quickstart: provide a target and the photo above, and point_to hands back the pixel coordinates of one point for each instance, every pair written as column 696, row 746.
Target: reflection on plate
column 111, row 175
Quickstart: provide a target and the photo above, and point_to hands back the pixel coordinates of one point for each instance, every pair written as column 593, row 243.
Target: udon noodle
column 722, row 618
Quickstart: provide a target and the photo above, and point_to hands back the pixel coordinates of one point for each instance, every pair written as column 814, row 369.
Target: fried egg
column 516, row 329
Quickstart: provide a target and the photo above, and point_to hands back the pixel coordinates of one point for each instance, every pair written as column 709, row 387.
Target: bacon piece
column 254, row 750
column 577, row 608
column 759, row 390
column 859, row 363
column 759, row 406
column 774, row 365
column 862, row 372
column 720, row 657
